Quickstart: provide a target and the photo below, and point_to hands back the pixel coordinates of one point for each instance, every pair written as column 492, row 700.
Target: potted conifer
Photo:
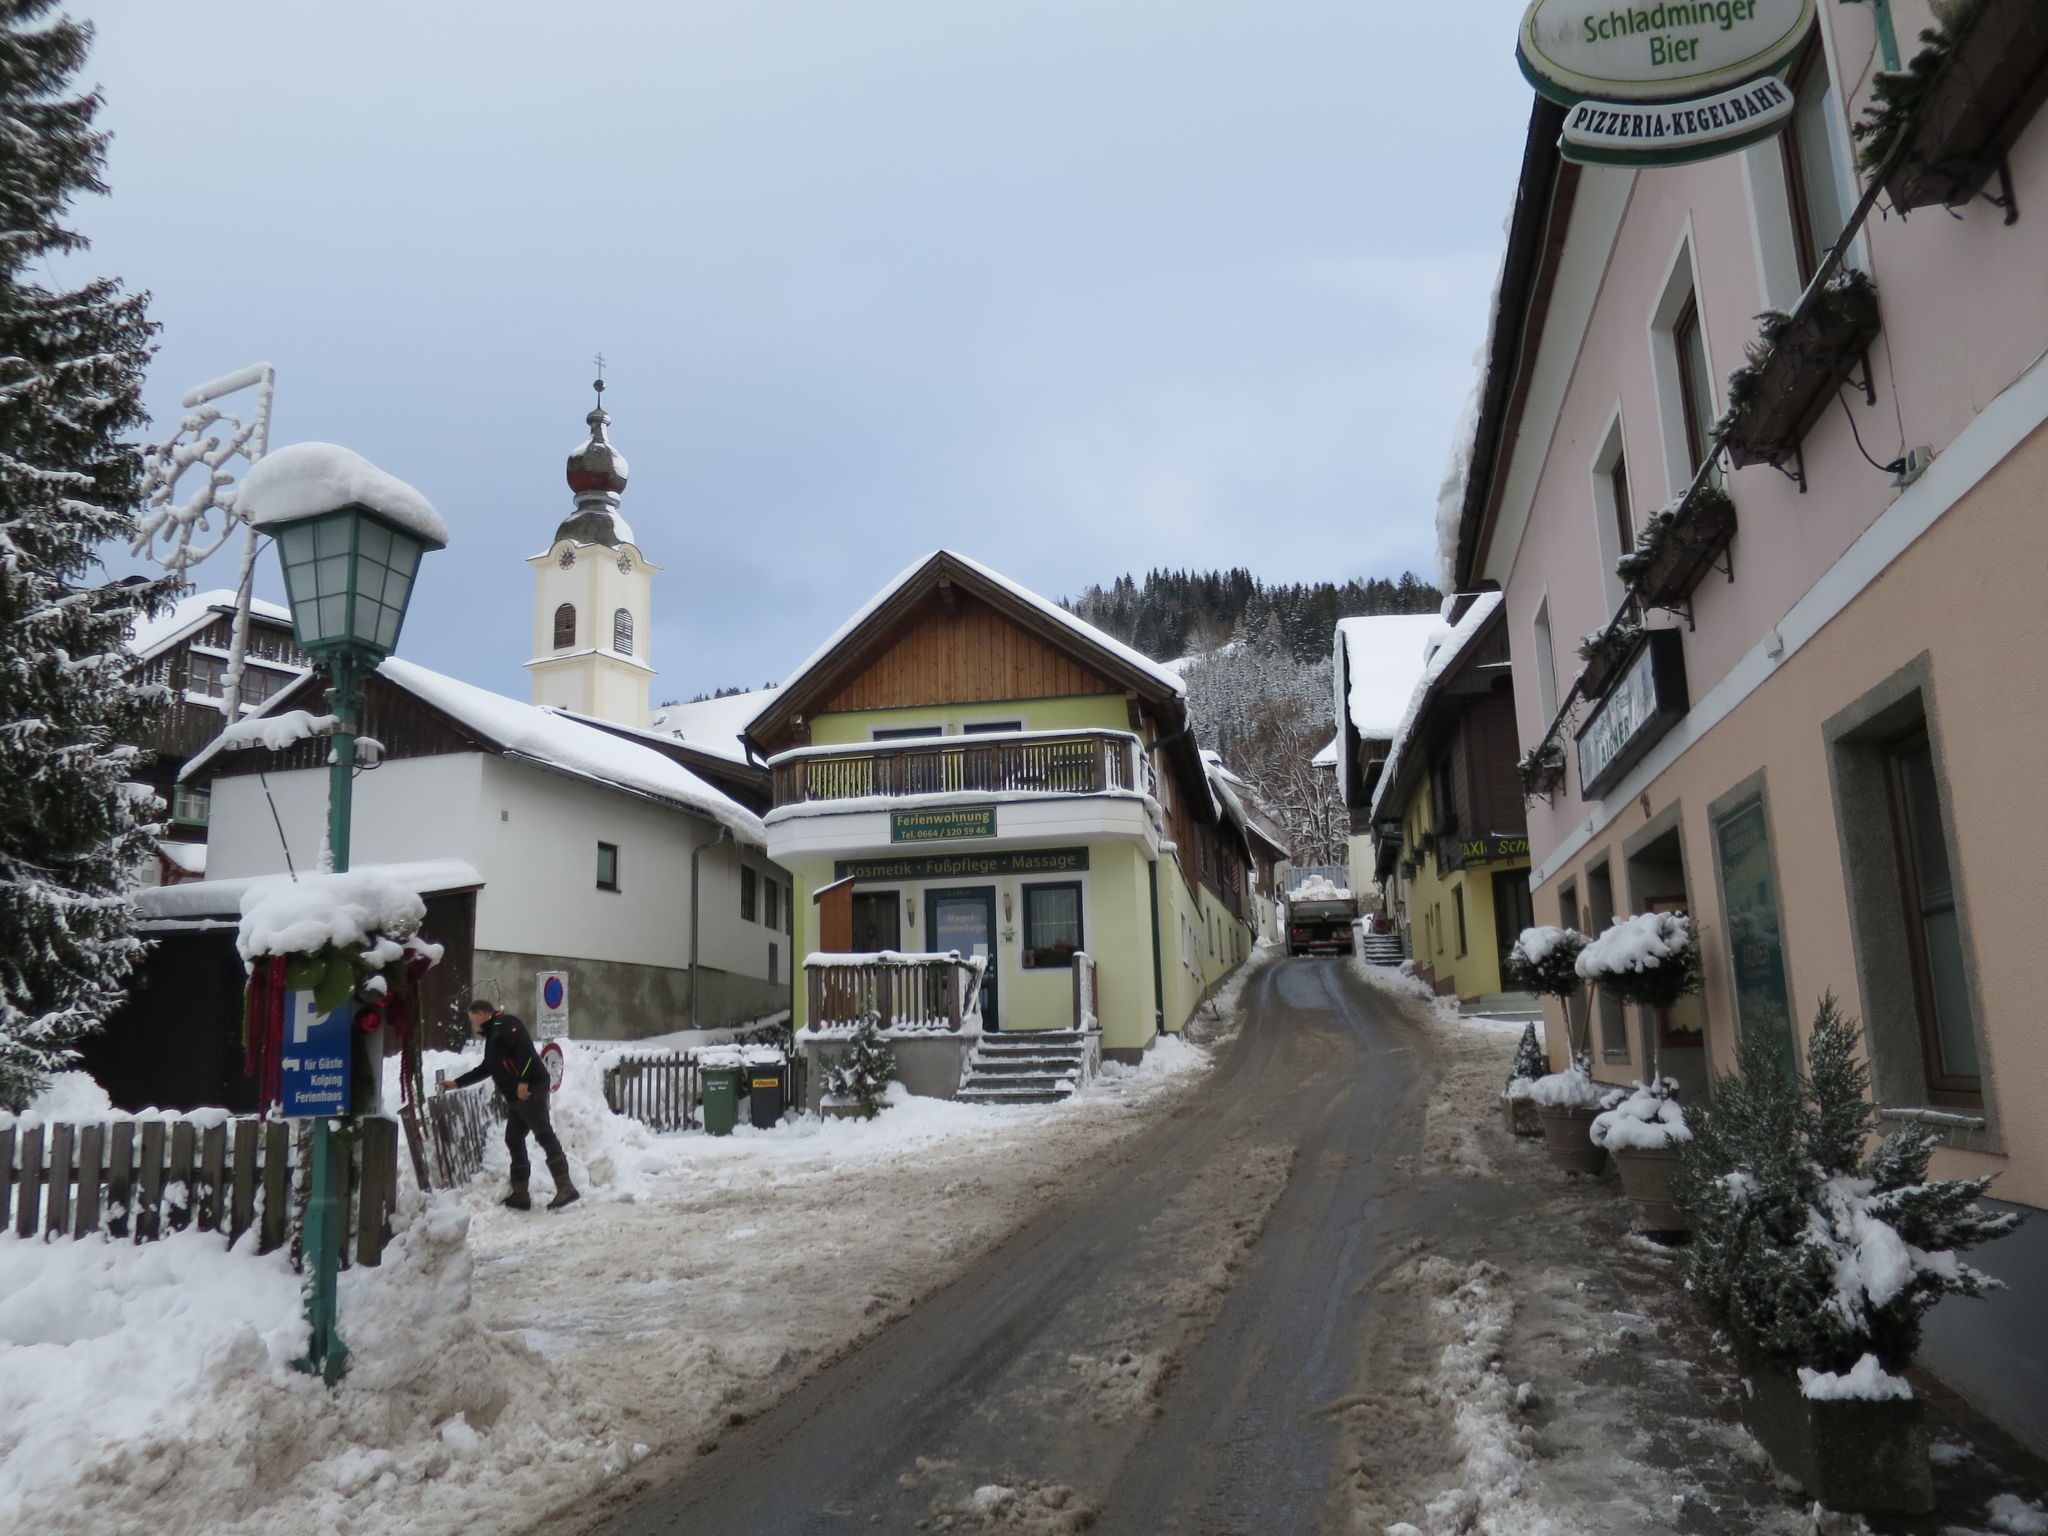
column 1642, row 1128
column 857, row 1078
column 1816, row 1261
column 1543, row 961
column 1517, row 1109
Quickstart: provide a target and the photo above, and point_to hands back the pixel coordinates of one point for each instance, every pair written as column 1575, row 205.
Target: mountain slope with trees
column 1259, row 685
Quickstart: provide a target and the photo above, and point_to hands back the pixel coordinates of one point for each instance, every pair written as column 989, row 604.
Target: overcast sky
column 1075, row 286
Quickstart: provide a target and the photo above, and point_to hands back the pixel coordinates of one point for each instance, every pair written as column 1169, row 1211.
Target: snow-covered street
column 505, row 1364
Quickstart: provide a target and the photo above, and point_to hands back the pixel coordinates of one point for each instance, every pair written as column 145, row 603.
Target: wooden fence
column 659, row 1089
column 140, row 1179
column 459, row 1125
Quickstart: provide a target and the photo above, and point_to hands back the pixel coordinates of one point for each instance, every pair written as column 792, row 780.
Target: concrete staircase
column 1039, row 1066
column 1381, row 948
column 1522, row 1007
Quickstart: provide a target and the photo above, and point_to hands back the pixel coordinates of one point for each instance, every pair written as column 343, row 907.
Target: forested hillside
column 1259, row 688
column 1178, row 613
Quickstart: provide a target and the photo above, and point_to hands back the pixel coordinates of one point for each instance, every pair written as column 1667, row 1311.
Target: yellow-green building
column 1451, row 838
column 971, row 768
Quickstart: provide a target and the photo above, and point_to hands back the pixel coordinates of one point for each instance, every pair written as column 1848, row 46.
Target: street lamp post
column 349, row 538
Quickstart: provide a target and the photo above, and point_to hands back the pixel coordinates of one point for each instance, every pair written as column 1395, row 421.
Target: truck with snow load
column 1320, row 915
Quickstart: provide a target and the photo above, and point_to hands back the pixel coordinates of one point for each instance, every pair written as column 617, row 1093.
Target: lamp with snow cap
column 349, row 537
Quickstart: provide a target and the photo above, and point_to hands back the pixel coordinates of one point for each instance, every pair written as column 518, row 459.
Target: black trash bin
column 764, row 1094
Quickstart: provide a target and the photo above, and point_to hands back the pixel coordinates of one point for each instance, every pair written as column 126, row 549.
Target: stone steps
column 1038, row 1067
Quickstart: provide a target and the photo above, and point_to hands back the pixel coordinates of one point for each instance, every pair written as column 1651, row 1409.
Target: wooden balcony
column 898, row 991
column 1068, row 762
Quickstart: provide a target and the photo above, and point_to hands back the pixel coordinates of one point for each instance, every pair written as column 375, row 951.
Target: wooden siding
column 969, row 655
column 405, row 726
column 1491, row 747
column 182, row 727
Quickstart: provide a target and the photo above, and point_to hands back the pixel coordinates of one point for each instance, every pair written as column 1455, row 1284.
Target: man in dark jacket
column 515, row 1067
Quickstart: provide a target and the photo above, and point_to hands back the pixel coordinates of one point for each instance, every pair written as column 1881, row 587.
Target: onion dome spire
column 597, row 476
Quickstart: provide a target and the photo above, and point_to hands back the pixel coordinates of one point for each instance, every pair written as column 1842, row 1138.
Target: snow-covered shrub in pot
column 1817, row 1259
column 1545, row 960
column 1641, row 1130
column 1566, row 1103
column 1651, row 958
column 1518, row 1109
column 857, row 1078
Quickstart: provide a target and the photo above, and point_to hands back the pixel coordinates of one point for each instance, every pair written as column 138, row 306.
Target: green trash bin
column 721, row 1098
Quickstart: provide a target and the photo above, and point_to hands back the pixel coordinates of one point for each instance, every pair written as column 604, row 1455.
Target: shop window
column 750, row 895
column 1750, row 913
column 1052, row 925
column 1927, row 900
column 565, row 626
column 1908, row 914
column 607, row 866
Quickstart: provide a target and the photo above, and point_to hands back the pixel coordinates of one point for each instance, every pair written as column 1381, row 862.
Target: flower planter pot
column 843, row 1112
column 1798, row 378
column 1646, row 1180
column 1606, row 664
column 1975, row 107
column 1704, row 528
column 1567, row 1138
column 1518, row 1117
column 1851, row 1455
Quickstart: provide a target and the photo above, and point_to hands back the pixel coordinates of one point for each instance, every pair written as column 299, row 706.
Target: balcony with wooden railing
column 1025, row 762
column 899, row 992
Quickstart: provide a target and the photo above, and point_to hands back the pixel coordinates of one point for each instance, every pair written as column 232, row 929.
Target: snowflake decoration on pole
column 178, row 535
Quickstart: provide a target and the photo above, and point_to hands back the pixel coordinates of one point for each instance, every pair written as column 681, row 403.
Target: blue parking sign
column 316, row 1057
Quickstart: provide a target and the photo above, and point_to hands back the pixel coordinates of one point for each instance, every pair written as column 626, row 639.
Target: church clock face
column 625, row 565
column 568, row 558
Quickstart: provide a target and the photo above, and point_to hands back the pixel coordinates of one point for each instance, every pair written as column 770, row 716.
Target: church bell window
column 565, row 626
column 622, row 632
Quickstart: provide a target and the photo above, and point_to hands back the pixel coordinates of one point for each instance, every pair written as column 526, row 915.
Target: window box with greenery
column 1960, row 103
column 1678, row 546
column 1541, row 768
column 1604, row 652
column 1816, row 1261
column 1795, row 367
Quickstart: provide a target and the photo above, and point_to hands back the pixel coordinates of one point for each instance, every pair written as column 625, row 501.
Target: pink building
column 1827, row 746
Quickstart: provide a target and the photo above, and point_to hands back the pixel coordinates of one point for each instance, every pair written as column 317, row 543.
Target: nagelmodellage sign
column 1701, row 63
column 314, row 1080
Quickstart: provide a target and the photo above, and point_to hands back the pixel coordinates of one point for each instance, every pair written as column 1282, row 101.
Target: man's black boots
column 565, row 1192
column 518, row 1199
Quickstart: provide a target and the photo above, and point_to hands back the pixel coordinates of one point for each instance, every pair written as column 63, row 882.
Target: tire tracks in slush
column 1165, row 1348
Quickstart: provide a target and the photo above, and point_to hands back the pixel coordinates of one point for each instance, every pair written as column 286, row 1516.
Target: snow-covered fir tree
column 860, row 1073
column 71, row 818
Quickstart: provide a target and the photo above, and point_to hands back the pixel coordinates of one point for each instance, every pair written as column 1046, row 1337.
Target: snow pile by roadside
column 1401, row 981
column 150, row 1388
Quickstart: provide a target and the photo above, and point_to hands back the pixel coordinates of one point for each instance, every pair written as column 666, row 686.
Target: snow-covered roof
column 1383, row 656
column 1327, row 758
column 546, row 736
column 713, row 725
column 1081, row 629
column 190, row 614
column 216, row 898
column 305, row 478
column 1442, row 657
column 562, row 742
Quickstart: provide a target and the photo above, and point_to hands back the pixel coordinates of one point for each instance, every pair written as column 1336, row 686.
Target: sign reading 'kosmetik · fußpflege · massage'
column 1702, row 62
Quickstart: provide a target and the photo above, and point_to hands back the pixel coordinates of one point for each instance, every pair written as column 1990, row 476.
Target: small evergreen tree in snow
column 70, row 385
column 1530, row 1061
column 1807, row 1252
column 860, row 1074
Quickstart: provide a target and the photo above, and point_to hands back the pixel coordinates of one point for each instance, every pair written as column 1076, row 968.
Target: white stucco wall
column 533, row 836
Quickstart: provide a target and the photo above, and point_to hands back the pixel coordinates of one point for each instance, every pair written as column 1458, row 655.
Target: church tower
column 591, row 594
